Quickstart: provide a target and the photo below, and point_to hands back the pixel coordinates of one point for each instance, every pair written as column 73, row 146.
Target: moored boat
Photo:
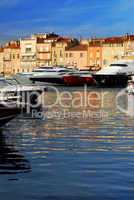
column 8, row 111
column 79, row 78
column 53, row 75
column 25, row 96
column 116, row 74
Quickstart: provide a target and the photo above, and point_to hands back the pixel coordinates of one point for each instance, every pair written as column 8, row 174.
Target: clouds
column 70, row 17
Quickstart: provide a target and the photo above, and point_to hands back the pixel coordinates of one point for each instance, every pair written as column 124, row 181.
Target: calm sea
column 82, row 149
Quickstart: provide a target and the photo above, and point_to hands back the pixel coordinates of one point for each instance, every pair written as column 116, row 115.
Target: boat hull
column 7, row 114
column 78, row 80
column 111, row 80
column 52, row 80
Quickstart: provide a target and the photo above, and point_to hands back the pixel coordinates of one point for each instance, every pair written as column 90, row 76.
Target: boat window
column 3, row 83
column 63, row 70
column 118, row 65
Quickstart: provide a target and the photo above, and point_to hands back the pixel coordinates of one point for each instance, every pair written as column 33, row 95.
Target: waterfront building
column 11, row 58
column 58, row 51
column 112, row 50
column 95, row 54
column 77, row 56
column 1, row 60
column 129, row 47
column 44, row 51
column 28, row 54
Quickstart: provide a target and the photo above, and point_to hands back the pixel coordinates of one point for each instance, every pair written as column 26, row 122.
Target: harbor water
column 81, row 149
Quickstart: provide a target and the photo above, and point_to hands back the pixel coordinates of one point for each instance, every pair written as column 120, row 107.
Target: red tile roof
column 79, row 47
column 114, row 40
column 64, row 40
column 130, row 37
column 12, row 46
column 1, row 49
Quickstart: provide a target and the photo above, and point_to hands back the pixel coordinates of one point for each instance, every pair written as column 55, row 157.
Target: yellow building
column 11, row 58
column 58, row 51
column 112, row 50
column 1, row 60
column 44, row 52
column 129, row 47
column 28, row 54
column 77, row 56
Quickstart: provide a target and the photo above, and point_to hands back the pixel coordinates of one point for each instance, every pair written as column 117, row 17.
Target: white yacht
column 24, row 96
column 49, row 74
column 8, row 106
column 116, row 74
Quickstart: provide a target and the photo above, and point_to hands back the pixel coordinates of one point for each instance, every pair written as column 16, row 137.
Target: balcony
column 7, row 59
column 43, row 51
column 28, row 58
column 43, row 59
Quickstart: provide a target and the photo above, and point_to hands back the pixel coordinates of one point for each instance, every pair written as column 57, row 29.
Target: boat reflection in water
column 11, row 160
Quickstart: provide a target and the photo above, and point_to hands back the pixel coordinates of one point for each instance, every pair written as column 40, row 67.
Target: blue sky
column 68, row 17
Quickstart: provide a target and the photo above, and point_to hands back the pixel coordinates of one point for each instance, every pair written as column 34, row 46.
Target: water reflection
column 11, row 160
column 87, row 133
column 72, row 158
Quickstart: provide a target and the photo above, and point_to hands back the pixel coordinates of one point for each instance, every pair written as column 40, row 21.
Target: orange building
column 44, row 49
column 11, row 58
column 44, row 52
column 77, row 56
column 95, row 53
column 1, row 60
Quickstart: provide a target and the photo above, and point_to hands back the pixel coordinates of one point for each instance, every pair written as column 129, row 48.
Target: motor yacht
column 79, row 78
column 25, row 96
column 53, row 75
column 116, row 74
column 8, row 111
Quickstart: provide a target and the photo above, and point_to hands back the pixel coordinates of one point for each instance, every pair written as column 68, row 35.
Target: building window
column 70, row 55
column 18, row 56
column 28, row 50
column 81, row 55
column 105, row 62
column 54, row 53
column 13, row 56
column 98, row 54
column 66, row 55
column 61, row 54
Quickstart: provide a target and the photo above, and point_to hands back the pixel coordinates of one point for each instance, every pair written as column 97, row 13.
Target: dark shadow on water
column 11, row 160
